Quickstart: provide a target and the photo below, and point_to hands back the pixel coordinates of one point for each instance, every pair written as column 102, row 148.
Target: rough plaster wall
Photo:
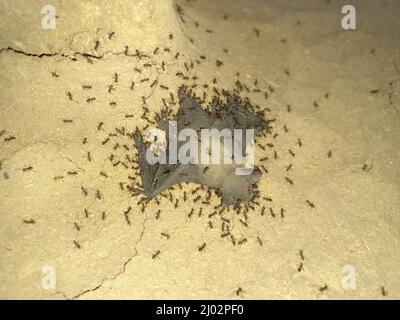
column 301, row 52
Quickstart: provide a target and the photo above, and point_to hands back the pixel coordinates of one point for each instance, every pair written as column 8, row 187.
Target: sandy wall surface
column 65, row 204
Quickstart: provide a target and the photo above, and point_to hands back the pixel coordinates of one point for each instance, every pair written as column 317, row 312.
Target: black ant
column 202, row 247
column 156, row 254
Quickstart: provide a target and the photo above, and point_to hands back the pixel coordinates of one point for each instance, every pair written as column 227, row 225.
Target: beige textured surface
column 356, row 217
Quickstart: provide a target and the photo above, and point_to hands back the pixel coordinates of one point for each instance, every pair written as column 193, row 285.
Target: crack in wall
column 391, row 93
column 72, row 56
column 40, row 142
column 110, row 278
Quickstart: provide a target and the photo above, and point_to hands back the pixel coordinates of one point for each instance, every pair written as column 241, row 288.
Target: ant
column 127, row 217
column 310, row 204
column 97, row 45
column 299, row 142
column 367, row 168
column 30, row 221
column 289, row 180
column 111, row 35
column 166, row 235
column 156, row 254
column 324, row 288
column 77, row 244
column 300, row 267
column 202, row 247
column 103, row 174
